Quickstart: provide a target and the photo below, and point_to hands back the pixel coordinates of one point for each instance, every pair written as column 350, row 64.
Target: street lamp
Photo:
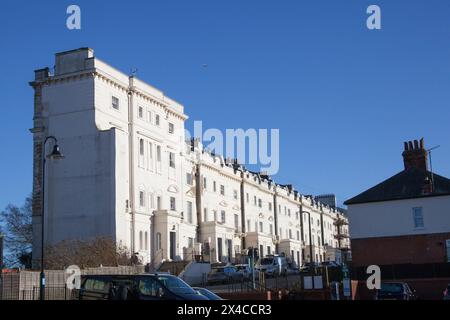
column 54, row 155
column 1, row 266
column 311, row 258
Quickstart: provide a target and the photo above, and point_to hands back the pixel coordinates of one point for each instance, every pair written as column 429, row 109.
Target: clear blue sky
column 344, row 98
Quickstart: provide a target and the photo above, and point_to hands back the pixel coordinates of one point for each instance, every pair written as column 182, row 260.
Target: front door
column 219, row 249
column 230, row 249
column 172, row 244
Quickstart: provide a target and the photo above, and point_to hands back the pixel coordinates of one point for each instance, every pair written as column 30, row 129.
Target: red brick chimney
column 415, row 155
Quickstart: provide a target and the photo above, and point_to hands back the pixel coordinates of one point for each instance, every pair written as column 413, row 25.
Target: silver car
column 223, row 274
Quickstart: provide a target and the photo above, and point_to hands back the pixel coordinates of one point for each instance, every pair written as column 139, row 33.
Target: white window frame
column 223, row 216
column 113, row 98
column 190, row 209
column 141, row 147
column 150, row 156
column 158, row 241
column 158, row 153
column 141, row 198
column 172, row 160
column 189, row 179
column 151, row 200
column 149, row 116
column 236, row 220
column 415, row 211
column 146, row 240
column 173, row 203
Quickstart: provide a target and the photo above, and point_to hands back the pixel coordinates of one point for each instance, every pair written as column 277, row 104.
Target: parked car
column 305, row 269
column 447, row 293
column 272, row 265
column 308, row 267
column 244, row 270
column 136, row 287
column 208, row 294
column 223, row 274
column 395, row 291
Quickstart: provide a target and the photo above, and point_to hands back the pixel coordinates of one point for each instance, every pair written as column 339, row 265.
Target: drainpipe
column 301, row 222
column 243, row 222
column 198, row 193
column 322, row 231
column 275, row 212
column 131, row 159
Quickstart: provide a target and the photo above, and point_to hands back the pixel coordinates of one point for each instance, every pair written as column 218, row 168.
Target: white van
column 272, row 265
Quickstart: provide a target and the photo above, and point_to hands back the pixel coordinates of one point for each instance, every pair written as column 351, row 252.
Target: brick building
column 404, row 219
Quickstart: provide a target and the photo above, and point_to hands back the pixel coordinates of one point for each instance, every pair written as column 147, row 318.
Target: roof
column 407, row 184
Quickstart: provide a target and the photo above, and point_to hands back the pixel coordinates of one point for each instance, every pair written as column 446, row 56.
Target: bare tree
column 88, row 253
column 18, row 234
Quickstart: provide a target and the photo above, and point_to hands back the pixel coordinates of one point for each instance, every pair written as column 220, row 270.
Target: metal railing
column 51, row 293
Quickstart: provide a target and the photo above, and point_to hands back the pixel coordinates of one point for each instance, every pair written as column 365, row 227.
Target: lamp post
column 311, row 258
column 1, row 253
column 55, row 155
column 1, row 266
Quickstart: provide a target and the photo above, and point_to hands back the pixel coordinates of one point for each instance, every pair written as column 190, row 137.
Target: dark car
column 136, row 287
column 395, row 291
column 208, row 294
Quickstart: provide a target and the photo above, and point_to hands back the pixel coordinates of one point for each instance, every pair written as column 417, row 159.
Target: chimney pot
column 415, row 155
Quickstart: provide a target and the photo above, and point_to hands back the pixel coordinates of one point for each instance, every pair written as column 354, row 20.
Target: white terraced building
column 129, row 174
